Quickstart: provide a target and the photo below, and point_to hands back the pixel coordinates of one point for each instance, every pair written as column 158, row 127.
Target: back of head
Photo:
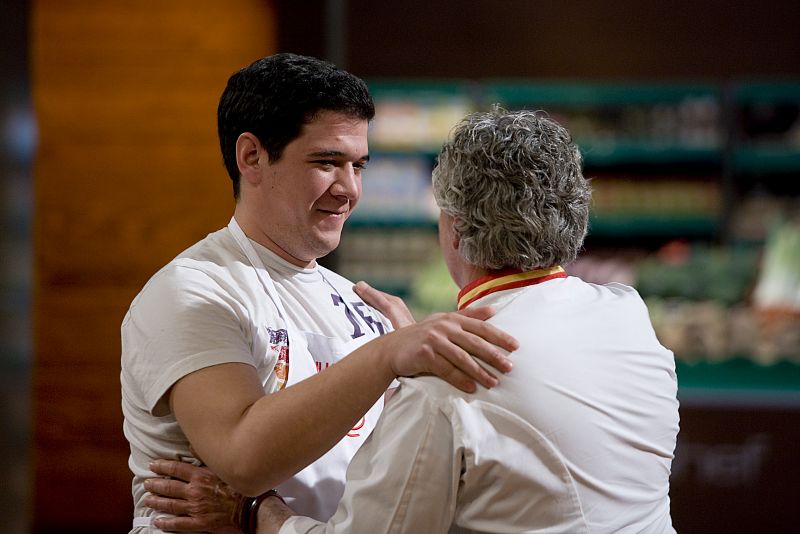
column 275, row 96
column 513, row 182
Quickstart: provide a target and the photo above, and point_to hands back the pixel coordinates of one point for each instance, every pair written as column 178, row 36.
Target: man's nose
column 347, row 182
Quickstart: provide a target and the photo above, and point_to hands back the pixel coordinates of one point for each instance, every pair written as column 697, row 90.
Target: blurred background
column 687, row 113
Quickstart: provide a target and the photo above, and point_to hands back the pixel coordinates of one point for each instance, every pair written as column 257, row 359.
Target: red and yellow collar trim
column 506, row 279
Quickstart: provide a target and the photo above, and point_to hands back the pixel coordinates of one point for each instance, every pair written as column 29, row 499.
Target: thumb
column 373, row 297
column 362, row 288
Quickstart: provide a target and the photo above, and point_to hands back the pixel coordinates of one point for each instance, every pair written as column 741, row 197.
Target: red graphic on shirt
column 282, row 367
column 359, row 425
column 320, row 364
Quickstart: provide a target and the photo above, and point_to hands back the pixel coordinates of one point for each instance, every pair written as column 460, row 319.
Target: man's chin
column 326, row 244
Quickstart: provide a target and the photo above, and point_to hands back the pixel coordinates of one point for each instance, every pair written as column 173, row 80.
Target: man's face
column 306, row 196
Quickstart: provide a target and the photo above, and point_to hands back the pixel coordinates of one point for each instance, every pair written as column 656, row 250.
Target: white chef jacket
column 579, row 437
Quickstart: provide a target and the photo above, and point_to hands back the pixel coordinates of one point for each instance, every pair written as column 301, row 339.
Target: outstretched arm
column 232, row 425
column 188, row 494
column 404, row 479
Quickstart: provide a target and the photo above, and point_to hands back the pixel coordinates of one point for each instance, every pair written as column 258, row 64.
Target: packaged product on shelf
column 778, row 284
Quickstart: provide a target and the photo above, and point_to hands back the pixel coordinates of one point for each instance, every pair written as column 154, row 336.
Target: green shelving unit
column 766, row 159
column 394, row 221
column 766, row 91
column 771, row 146
column 579, row 94
column 620, row 145
column 630, row 141
column 739, row 381
column 628, row 152
column 623, row 226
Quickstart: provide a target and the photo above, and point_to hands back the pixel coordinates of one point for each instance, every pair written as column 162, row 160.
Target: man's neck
column 467, row 274
column 253, row 231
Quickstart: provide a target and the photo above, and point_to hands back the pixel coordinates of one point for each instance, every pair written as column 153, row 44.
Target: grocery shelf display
column 679, row 209
column 696, row 204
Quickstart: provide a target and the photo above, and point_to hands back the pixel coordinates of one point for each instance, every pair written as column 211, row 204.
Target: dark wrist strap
column 249, row 512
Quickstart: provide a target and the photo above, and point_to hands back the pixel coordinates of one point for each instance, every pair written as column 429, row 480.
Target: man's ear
column 453, row 232
column 248, row 157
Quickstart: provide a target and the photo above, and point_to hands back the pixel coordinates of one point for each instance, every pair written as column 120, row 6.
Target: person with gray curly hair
column 580, row 436
column 513, row 183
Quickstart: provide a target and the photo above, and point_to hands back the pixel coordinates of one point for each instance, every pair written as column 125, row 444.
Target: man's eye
column 360, row 166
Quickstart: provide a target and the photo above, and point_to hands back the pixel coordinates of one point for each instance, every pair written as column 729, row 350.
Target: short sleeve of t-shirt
column 182, row 321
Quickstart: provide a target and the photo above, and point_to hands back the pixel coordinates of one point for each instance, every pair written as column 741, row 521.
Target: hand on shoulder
column 447, row 345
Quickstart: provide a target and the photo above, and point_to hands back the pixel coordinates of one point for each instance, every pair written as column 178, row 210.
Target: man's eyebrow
column 334, row 154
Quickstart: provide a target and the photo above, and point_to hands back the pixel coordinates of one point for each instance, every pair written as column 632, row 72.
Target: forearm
column 272, row 514
column 277, row 435
column 312, row 416
column 405, row 479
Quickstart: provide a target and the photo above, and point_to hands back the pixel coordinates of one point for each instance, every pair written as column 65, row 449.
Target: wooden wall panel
column 128, row 173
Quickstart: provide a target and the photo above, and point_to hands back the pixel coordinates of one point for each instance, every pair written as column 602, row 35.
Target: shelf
column 767, row 91
column 416, row 116
column 740, row 373
column 610, row 225
column 593, row 95
column 769, row 125
column 766, row 159
column 739, row 382
column 418, row 89
column 596, row 153
column 652, row 225
column 391, row 221
column 626, row 152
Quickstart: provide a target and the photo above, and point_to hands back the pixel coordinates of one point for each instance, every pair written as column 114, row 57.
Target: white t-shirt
column 579, row 437
column 208, row 307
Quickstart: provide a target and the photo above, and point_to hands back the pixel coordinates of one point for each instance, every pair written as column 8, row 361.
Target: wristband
column 249, row 511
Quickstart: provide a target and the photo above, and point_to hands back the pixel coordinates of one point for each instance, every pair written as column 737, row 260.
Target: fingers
column 175, row 469
column 445, row 351
column 482, row 340
column 370, row 295
column 178, row 524
column 477, row 347
column 175, row 489
column 448, row 344
column 459, row 379
column 461, row 369
column 391, row 306
column 488, row 331
column 168, row 506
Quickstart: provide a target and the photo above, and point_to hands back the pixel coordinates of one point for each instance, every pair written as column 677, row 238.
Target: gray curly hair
column 513, row 182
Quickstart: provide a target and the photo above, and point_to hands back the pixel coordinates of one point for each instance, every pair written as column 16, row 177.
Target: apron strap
column 258, row 265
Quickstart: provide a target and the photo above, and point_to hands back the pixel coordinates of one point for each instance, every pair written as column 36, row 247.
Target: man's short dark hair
column 275, row 96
